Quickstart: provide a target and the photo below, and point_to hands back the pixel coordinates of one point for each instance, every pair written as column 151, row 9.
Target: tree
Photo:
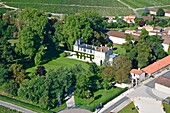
column 83, row 85
column 169, row 49
column 4, row 76
column 35, row 37
column 109, row 73
column 33, row 89
column 141, row 23
column 12, row 88
column 41, row 71
column 144, row 54
column 145, row 12
column 88, row 25
column 7, row 53
column 155, row 43
column 106, row 83
column 144, row 34
column 17, row 73
column 160, row 12
column 93, row 68
column 122, row 65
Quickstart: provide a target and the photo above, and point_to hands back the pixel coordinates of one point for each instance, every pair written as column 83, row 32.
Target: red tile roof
column 116, row 34
column 163, row 81
column 119, row 34
column 147, row 17
column 157, row 65
column 103, row 49
column 135, row 71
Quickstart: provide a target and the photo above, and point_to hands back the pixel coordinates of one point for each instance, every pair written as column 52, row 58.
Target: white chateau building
column 101, row 54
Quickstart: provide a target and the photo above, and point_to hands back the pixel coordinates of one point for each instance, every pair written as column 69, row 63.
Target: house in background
column 163, row 84
column 137, row 75
column 100, row 54
column 150, row 70
column 154, row 10
column 149, row 18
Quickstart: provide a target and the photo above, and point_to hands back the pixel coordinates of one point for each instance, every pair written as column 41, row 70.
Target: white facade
column 140, row 77
column 167, row 14
column 162, row 88
column 100, row 55
column 165, row 47
column 117, row 40
column 153, row 12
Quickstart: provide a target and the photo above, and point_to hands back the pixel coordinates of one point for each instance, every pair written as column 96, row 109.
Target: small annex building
column 154, row 68
column 163, row 84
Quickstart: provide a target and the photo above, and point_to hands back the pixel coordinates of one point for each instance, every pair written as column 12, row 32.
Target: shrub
column 64, row 54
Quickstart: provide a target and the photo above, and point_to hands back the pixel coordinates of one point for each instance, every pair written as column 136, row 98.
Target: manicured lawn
column 60, row 62
column 7, row 110
column 130, row 108
column 102, row 96
column 118, row 49
column 167, row 107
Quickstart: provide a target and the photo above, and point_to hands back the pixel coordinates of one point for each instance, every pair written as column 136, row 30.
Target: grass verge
column 166, row 108
column 7, row 110
column 24, row 104
column 130, row 108
column 101, row 96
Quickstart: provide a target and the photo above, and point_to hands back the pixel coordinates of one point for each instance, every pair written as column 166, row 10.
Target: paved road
column 116, row 104
column 18, row 108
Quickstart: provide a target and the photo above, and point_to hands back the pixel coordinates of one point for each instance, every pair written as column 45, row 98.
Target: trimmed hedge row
column 24, row 104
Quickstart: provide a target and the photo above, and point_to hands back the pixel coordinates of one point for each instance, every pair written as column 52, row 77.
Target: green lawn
column 130, row 108
column 167, row 107
column 60, row 62
column 146, row 3
column 103, row 7
column 57, row 109
column 101, row 96
column 7, row 110
column 118, row 49
column 23, row 104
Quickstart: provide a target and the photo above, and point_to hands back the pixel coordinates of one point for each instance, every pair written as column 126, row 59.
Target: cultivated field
column 4, row 10
column 103, row 7
column 146, row 3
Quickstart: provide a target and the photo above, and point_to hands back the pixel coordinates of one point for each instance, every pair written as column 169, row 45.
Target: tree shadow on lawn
column 95, row 98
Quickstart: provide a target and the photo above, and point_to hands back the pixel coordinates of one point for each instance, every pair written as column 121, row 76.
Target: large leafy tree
column 88, row 25
column 109, row 73
column 7, row 53
column 33, row 89
column 93, row 68
column 144, row 54
column 17, row 73
column 12, row 88
column 160, row 12
column 83, row 86
column 4, row 76
column 35, row 38
column 122, row 65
